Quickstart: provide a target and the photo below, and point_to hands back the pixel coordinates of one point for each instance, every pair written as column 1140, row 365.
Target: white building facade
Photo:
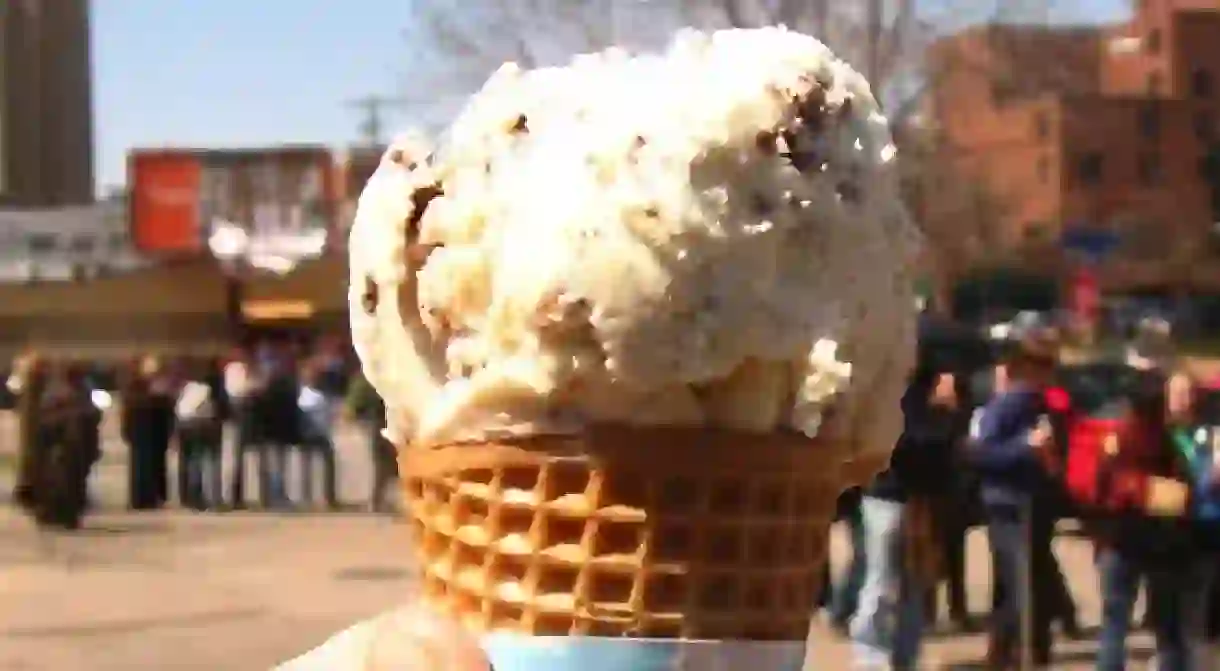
column 68, row 243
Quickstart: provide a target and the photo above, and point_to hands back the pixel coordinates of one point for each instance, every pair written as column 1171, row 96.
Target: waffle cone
column 623, row 531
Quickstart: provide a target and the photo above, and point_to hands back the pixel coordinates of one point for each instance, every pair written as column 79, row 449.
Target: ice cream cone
column 627, row 532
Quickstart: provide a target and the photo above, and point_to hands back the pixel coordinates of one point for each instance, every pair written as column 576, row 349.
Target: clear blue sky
column 256, row 72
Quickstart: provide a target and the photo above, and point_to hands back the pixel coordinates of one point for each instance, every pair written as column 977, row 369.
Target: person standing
column 318, row 410
column 365, row 405
column 842, row 598
column 140, row 424
column 899, row 543
column 26, row 383
column 67, row 414
column 280, row 420
column 242, row 385
column 1144, row 535
column 199, row 423
column 1013, row 455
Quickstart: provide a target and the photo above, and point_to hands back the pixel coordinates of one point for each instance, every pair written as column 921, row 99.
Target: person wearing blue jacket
column 1013, row 455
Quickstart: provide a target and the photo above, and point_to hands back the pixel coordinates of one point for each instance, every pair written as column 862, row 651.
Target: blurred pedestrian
column 199, row 414
column 25, row 382
column 318, row 413
column 279, row 417
column 900, row 544
column 1013, row 454
column 957, row 511
column 365, row 405
column 1146, row 536
column 66, row 415
column 243, row 384
column 147, row 426
column 843, row 597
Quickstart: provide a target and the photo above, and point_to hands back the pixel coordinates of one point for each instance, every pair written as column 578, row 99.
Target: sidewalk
column 187, row 591
column 242, row 591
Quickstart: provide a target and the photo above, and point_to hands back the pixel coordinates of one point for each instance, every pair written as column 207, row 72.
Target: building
column 1096, row 140
column 67, row 243
column 46, row 111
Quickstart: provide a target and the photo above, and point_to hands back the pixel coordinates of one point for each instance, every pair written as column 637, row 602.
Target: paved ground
column 242, row 591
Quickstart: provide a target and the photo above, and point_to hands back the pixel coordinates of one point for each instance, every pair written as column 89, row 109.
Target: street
column 245, row 590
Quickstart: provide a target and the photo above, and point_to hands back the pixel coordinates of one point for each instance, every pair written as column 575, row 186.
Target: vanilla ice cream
column 712, row 236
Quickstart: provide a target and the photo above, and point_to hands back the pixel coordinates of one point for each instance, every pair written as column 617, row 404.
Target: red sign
column 165, row 202
column 179, row 194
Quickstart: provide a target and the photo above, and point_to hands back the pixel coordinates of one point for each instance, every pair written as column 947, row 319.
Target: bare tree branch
column 455, row 45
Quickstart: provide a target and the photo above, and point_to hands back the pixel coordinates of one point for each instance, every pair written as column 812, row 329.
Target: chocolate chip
column 397, row 156
column 522, row 124
column 804, row 160
column 761, row 204
column 370, row 298
column 419, row 202
column 652, row 212
column 765, row 142
column 848, row 191
column 640, row 141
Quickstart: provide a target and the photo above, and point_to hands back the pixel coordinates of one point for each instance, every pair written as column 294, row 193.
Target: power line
column 372, row 107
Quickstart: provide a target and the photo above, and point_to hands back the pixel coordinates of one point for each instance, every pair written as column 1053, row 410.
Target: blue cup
column 519, row 652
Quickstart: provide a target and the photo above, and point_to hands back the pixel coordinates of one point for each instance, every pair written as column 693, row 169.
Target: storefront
column 176, row 307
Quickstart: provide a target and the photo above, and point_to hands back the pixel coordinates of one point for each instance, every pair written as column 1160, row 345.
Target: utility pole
column 373, row 125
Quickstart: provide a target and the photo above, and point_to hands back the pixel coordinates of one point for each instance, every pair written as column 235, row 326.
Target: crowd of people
column 271, row 404
column 1146, row 493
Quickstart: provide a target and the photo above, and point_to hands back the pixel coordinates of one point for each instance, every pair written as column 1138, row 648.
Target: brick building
column 1099, row 134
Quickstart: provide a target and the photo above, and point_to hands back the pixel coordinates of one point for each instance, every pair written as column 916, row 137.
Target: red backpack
column 1093, row 444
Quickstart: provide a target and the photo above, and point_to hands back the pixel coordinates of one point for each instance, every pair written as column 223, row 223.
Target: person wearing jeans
column 1177, row 600
column 887, row 628
column 241, row 385
column 199, row 430
column 317, row 436
column 1148, row 538
column 1013, row 454
column 845, row 595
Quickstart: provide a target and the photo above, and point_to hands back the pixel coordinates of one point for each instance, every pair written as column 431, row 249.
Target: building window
column 1044, row 169
column 1150, row 121
column 1149, row 169
column 1089, row 168
column 82, row 244
column 1042, row 126
column 1155, row 85
column 118, row 240
column 41, row 243
column 1205, row 127
column 1153, row 42
column 1034, row 231
column 1201, row 83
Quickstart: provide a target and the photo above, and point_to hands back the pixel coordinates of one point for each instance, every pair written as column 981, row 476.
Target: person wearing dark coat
column 887, row 627
column 147, row 427
column 280, row 417
column 67, row 415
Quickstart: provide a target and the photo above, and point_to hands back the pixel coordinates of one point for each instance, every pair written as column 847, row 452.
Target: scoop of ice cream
column 712, row 236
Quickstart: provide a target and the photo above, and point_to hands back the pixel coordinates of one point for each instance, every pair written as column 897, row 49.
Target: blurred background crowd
column 274, row 407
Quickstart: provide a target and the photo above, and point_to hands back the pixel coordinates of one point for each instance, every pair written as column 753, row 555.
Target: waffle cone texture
column 624, row 531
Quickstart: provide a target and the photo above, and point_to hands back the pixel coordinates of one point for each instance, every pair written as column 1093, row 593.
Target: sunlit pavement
column 183, row 590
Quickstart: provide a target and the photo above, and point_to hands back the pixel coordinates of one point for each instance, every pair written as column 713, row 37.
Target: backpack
column 1092, row 447
column 1093, row 435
